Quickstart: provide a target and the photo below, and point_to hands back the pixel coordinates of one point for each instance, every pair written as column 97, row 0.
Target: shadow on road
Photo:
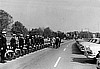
column 75, row 50
column 84, row 60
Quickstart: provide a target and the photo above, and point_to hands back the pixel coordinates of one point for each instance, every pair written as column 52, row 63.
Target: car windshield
column 94, row 41
column 91, row 40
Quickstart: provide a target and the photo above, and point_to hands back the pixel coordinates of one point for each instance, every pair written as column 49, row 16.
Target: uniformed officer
column 1, row 48
column 36, row 40
column 3, row 41
column 32, row 41
column 13, row 42
column 57, row 42
column 27, row 42
column 53, row 41
column 21, row 42
column 42, row 40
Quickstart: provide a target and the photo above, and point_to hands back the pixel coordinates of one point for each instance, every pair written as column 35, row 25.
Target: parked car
column 92, row 48
column 80, row 44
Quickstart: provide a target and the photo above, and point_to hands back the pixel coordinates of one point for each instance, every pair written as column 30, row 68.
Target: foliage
column 5, row 20
column 18, row 28
column 46, row 32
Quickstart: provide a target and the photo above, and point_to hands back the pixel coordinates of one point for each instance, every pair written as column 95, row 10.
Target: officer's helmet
column 27, row 35
column 32, row 36
column 3, row 32
column 14, row 35
column 21, row 35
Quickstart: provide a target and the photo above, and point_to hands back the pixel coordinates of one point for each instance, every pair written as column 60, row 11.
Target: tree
column 5, row 20
column 60, row 34
column 18, row 28
column 37, row 31
column 47, row 32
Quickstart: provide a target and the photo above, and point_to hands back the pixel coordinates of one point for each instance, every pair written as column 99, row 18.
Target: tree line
column 18, row 28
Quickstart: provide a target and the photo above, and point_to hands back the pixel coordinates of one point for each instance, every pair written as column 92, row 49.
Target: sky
column 63, row 15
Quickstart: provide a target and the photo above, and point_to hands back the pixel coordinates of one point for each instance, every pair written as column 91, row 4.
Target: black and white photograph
column 49, row 34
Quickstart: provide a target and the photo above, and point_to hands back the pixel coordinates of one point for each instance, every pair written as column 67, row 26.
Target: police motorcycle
column 21, row 45
column 57, row 44
column 13, row 49
column 9, row 53
column 31, row 44
column 41, row 42
column 17, row 52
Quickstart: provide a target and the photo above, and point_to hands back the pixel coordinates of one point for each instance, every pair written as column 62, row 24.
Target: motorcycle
column 17, row 52
column 25, row 51
column 9, row 53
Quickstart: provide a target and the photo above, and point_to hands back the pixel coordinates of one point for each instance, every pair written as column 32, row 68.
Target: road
column 67, row 56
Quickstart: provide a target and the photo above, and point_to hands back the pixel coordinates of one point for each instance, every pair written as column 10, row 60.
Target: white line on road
column 64, row 49
column 57, row 62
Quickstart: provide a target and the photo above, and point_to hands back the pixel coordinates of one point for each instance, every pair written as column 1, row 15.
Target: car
column 80, row 44
column 92, row 48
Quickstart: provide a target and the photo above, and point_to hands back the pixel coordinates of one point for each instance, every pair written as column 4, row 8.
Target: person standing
column 32, row 41
column 57, row 42
column 3, row 41
column 27, row 42
column 21, row 43
column 13, row 42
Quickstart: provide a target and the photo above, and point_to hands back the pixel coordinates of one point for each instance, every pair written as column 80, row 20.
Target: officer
column 57, row 42
column 3, row 44
column 36, row 40
column 41, row 41
column 27, row 42
column 32, row 41
column 21, row 42
column 1, row 49
column 53, row 41
column 13, row 42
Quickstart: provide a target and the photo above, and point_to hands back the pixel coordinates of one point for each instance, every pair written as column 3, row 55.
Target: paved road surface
column 66, row 57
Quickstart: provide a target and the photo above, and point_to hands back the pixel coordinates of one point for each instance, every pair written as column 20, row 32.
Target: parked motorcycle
column 9, row 53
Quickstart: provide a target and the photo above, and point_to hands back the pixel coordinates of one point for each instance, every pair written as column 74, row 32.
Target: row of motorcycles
column 10, row 54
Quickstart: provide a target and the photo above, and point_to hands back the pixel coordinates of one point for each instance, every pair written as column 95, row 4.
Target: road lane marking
column 68, row 45
column 57, row 62
column 64, row 49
